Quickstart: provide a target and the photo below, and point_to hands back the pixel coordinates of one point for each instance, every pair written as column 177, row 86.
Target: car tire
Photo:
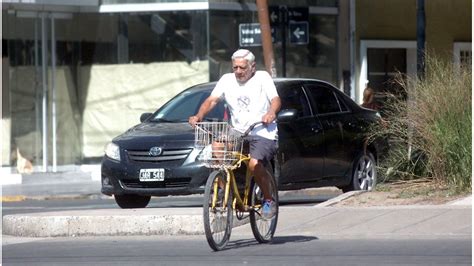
column 132, row 201
column 364, row 173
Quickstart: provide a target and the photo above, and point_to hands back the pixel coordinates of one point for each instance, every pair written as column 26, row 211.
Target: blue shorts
column 261, row 148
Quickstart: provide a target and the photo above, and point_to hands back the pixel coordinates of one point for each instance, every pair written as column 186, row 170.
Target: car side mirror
column 287, row 115
column 144, row 116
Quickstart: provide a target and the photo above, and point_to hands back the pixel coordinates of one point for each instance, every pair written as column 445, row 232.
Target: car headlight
column 112, row 151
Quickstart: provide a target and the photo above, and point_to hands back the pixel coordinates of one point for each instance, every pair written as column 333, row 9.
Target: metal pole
column 44, row 71
column 266, row 33
column 420, row 38
column 420, row 61
column 53, row 91
column 38, row 92
column 352, row 43
column 283, row 24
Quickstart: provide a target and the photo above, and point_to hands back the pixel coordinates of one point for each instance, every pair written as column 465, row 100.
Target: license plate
column 157, row 174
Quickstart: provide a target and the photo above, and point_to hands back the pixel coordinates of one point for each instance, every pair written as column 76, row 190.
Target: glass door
column 28, row 39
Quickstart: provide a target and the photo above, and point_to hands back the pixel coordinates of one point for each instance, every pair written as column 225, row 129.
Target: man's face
column 242, row 69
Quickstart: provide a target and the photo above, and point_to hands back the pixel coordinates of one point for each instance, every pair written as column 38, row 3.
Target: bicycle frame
column 231, row 183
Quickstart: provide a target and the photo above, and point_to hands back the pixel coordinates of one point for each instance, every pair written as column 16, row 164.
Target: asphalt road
column 193, row 250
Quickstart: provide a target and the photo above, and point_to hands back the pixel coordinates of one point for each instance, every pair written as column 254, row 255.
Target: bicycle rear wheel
column 217, row 218
column 262, row 229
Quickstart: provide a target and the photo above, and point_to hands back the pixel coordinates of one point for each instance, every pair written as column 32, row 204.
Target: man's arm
column 205, row 108
column 275, row 105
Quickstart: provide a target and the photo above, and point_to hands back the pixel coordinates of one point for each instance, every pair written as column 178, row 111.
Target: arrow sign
column 274, row 16
column 299, row 32
column 293, row 14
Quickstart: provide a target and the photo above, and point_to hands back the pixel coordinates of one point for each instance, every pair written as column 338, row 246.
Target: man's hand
column 205, row 108
column 268, row 117
column 193, row 120
column 275, row 105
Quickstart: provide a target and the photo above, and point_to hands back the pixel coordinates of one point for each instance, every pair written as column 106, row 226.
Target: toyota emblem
column 155, row 151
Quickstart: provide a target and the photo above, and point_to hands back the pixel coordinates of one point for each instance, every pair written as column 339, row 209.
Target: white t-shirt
column 248, row 102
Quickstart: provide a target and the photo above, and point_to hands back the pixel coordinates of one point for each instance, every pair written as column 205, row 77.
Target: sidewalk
column 74, row 184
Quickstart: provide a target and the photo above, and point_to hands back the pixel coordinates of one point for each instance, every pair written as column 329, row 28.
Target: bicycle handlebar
column 214, row 135
column 251, row 127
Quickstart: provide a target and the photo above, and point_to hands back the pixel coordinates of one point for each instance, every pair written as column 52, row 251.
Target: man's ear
column 254, row 67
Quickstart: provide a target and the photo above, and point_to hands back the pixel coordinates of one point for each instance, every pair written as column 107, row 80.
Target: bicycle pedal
column 241, row 215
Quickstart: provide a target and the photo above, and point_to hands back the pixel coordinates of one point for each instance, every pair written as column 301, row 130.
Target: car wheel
column 364, row 173
column 132, row 201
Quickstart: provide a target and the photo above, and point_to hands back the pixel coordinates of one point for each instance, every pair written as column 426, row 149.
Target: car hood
column 166, row 135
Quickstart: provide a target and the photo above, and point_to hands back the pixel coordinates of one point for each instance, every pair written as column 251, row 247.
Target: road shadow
column 243, row 243
column 292, row 239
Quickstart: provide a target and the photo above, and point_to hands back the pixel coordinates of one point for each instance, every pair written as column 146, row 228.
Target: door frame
column 410, row 46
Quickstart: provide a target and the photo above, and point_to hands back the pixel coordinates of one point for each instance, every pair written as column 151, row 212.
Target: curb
column 340, row 198
column 108, row 223
column 462, row 201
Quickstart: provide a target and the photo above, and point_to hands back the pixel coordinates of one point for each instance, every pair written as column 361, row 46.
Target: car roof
column 208, row 85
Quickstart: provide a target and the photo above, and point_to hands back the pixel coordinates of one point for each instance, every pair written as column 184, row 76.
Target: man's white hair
column 245, row 54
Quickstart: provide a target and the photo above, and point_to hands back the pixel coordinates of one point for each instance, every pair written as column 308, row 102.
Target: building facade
column 386, row 38
column 77, row 73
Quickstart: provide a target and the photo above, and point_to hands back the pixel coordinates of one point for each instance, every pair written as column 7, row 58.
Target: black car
column 322, row 142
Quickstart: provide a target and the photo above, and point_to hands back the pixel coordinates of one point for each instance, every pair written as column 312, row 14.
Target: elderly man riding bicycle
column 251, row 97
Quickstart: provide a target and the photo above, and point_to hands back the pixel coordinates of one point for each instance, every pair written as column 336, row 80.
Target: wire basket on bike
column 220, row 143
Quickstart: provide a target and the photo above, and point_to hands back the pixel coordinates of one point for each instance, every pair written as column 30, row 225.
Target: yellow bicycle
column 222, row 150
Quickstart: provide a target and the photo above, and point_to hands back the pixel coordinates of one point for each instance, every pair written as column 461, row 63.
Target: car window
column 293, row 97
column 342, row 104
column 186, row 104
column 324, row 99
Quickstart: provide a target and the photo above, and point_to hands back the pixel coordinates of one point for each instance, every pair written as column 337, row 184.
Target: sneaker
column 268, row 209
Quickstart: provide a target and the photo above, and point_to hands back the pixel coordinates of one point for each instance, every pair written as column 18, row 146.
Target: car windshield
column 186, row 104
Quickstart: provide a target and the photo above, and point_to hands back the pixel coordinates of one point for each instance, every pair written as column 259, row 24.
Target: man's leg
column 262, row 177
column 261, row 150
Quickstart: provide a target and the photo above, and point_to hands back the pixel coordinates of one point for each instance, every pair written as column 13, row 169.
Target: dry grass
column 430, row 131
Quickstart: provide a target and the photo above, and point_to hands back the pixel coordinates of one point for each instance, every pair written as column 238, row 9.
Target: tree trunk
column 266, row 33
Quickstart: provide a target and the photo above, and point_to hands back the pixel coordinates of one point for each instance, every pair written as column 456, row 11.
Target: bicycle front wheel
column 217, row 214
column 262, row 229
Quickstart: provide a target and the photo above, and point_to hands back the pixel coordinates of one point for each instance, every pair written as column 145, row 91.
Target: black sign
column 287, row 14
column 274, row 13
column 251, row 35
column 298, row 32
column 298, row 14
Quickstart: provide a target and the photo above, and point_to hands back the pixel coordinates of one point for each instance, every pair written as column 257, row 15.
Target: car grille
column 171, row 183
column 166, row 155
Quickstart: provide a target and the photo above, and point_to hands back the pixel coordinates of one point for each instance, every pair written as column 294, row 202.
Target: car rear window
column 324, row 99
column 293, row 97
